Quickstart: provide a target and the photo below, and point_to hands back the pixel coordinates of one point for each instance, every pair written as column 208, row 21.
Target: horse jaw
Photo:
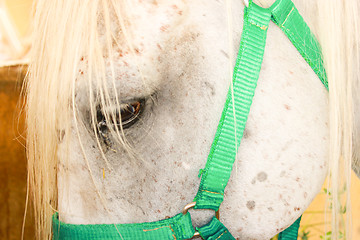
column 281, row 162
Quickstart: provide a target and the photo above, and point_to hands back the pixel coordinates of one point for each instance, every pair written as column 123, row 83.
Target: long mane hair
column 68, row 32
column 338, row 32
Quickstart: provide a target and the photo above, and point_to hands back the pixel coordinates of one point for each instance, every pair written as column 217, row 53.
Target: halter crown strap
column 223, row 151
column 287, row 17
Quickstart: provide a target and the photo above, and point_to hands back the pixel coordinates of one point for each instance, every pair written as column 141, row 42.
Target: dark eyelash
column 128, row 116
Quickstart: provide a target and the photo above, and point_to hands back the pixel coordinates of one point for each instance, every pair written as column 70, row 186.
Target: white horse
column 124, row 98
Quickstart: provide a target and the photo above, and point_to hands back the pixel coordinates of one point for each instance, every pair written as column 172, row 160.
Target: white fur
column 282, row 160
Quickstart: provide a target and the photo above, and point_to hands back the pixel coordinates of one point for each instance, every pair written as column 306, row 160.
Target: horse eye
column 128, row 115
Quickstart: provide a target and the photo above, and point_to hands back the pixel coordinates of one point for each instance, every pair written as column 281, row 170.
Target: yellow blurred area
column 313, row 219
column 20, row 13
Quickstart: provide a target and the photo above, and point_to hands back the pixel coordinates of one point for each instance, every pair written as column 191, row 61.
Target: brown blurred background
column 12, row 156
column 12, row 132
column 12, row 150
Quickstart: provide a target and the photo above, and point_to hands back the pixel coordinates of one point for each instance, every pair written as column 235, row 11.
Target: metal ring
column 191, row 205
column 196, row 234
column 187, row 207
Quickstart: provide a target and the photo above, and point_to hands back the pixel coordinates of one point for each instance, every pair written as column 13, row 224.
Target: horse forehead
column 158, row 32
column 145, row 22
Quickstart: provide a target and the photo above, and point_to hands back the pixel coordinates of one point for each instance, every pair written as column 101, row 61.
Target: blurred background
column 15, row 33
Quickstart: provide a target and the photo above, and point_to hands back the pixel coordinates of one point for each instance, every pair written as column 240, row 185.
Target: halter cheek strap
column 216, row 174
column 246, row 73
column 230, row 130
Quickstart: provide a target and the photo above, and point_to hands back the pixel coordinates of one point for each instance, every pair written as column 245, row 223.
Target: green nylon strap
column 287, row 17
column 178, row 227
column 291, row 233
column 246, row 73
column 215, row 230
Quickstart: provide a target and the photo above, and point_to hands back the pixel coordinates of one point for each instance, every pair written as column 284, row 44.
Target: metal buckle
column 191, row 205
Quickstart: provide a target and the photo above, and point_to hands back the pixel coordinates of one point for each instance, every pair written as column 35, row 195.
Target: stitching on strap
column 287, row 16
column 211, row 192
column 169, row 226
column 221, row 235
column 261, row 27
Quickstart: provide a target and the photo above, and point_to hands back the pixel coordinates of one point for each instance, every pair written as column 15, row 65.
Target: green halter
column 216, row 174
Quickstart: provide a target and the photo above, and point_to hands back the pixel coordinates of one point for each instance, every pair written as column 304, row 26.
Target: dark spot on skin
column 246, row 133
column 164, row 27
column 296, row 209
column 250, row 205
column 253, row 181
column 262, row 176
column 155, row 180
column 287, row 107
column 62, row 167
column 305, row 194
column 225, row 54
column 210, row 87
column 270, row 209
column 282, row 173
column 137, row 51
